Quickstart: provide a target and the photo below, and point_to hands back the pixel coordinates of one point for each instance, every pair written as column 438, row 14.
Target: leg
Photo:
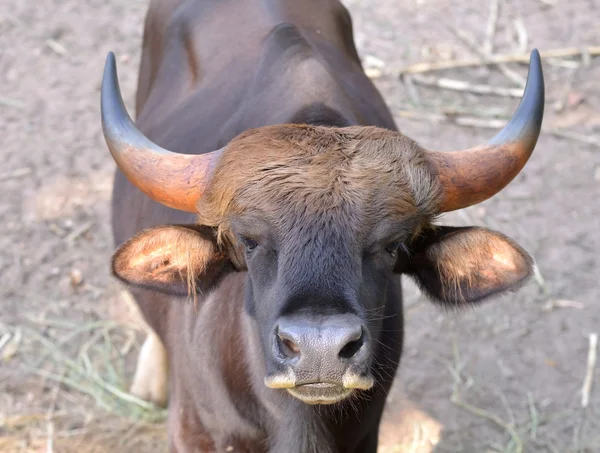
column 151, row 374
column 150, row 381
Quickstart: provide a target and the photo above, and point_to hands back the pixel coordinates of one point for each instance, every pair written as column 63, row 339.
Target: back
column 211, row 70
column 248, row 64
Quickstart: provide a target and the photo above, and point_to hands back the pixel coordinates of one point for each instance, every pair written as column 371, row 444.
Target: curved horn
column 173, row 179
column 471, row 176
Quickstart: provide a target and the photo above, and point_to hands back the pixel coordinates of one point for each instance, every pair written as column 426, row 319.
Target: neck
column 308, row 433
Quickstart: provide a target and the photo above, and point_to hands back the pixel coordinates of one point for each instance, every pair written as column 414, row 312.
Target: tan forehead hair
column 319, row 169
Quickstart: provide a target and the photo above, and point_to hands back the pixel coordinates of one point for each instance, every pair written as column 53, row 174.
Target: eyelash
column 392, row 248
column 250, row 243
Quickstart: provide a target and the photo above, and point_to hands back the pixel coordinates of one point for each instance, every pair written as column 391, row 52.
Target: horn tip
column 526, row 122
column 115, row 118
column 535, row 60
column 110, row 61
column 110, row 66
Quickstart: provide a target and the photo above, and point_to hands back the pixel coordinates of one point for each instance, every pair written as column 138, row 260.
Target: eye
column 392, row 248
column 250, row 244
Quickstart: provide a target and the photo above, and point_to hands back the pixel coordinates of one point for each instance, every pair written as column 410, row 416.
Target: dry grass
column 525, row 435
column 89, row 408
column 35, row 434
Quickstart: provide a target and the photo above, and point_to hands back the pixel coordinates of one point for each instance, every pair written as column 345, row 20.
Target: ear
column 172, row 259
column 460, row 265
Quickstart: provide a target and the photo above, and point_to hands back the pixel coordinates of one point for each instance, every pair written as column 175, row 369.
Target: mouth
column 320, row 393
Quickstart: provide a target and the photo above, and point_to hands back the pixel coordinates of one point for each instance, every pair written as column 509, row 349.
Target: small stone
column 374, row 62
column 76, row 277
column 373, row 73
column 574, row 98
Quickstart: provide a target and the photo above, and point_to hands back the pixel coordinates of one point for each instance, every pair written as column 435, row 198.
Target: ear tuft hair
column 457, row 266
column 180, row 260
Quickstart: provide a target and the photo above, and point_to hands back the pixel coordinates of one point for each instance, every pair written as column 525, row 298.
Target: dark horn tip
column 115, row 119
column 526, row 122
column 110, row 57
column 110, row 72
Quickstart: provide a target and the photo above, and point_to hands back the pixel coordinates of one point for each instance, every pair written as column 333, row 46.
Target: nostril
column 291, row 346
column 351, row 348
column 287, row 347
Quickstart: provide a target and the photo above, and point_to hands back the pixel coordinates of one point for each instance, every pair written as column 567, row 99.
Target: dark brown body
column 211, row 70
column 257, row 117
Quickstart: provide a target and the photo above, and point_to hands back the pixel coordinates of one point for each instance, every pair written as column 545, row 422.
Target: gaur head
column 321, row 219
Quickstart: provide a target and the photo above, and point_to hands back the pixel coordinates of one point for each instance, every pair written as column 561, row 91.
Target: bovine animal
column 265, row 207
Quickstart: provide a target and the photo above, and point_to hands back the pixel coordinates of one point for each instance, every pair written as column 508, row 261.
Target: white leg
column 150, row 381
column 151, row 374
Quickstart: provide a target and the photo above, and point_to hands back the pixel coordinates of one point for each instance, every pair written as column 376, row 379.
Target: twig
column 79, row 231
column 490, row 32
column 469, row 121
column 4, row 339
column 18, row 173
column 455, row 369
column 562, row 303
column 509, row 73
column 460, row 85
column 129, row 342
column 50, row 437
column 588, row 139
column 479, row 122
column 56, row 47
column 411, row 90
column 51, row 410
column 539, row 278
column 567, row 64
column 12, row 346
column 567, row 52
column 455, row 399
column 507, row 408
column 562, row 133
column 86, row 374
column 534, row 414
column 123, row 395
column 421, row 115
column 12, row 103
column 589, row 374
column 69, row 382
column 522, row 36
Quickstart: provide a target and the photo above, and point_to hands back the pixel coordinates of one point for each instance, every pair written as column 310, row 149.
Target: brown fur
column 158, row 257
column 212, row 71
column 479, row 260
column 470, row 264
column 303, row 172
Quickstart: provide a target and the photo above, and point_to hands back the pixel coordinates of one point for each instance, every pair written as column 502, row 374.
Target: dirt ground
column 503, row 377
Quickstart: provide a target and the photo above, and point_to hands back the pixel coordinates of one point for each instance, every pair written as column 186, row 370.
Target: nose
column 332, row 343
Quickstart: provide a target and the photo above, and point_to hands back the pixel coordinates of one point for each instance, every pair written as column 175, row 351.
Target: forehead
column 355, row 177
